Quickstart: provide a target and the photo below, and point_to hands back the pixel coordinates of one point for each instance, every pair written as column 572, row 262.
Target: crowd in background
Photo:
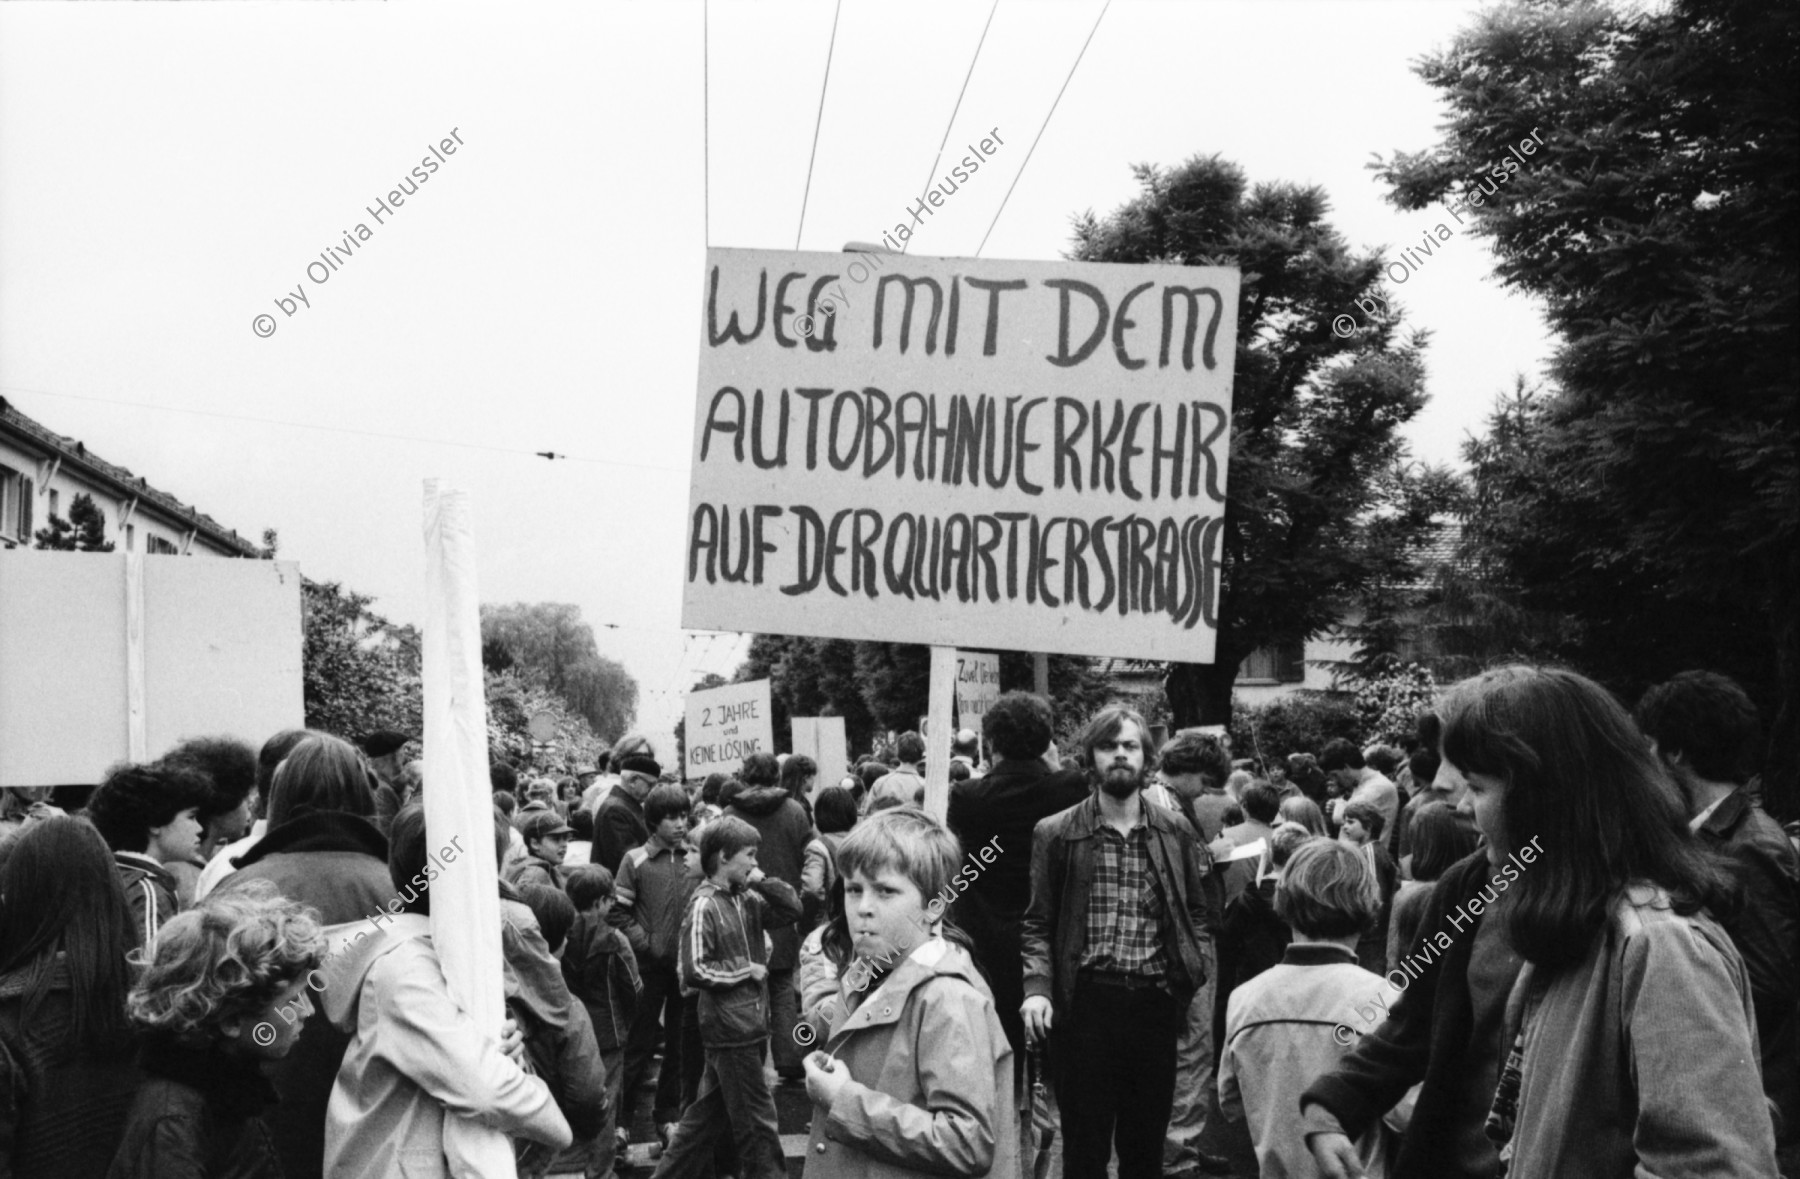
column 1545, row 937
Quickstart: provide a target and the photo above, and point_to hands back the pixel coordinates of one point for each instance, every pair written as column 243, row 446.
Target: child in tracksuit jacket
column 724, row 958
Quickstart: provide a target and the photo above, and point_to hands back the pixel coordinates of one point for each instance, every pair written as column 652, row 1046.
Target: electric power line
column 817, row 122
column 905, row 245
column 239, row 417
column 1040, row 134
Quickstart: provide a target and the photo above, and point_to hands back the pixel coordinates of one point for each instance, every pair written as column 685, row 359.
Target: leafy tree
column 1301, row 722
column 512, row 700
column 1077, row 689
column 549, row 644
column 360, row 672
column 1389, row 703
column 84, row 530
column 1319, row 503
column 1656, row 503
column 763, row 661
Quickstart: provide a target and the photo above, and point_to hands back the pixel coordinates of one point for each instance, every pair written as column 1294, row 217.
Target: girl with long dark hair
column 67, row 1069
column 1631, row 1030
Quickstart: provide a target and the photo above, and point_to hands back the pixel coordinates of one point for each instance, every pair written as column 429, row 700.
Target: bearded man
column 1116, row 942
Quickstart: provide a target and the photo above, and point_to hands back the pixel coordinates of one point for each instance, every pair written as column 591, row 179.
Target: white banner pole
column 465, row 903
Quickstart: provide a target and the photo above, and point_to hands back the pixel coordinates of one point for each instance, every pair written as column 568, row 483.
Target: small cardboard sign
column 726, row 725
column 977, row 686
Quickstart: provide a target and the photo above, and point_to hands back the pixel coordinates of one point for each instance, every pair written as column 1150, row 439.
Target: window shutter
column 25, row 513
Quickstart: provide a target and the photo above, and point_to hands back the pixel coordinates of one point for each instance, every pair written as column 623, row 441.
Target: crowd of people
column 1544, row 937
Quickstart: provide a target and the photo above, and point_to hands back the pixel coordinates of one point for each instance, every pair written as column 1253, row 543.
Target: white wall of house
column 147, row 527
column 1254, row 690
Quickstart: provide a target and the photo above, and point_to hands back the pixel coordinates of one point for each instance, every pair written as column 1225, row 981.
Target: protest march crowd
column 1552, row 937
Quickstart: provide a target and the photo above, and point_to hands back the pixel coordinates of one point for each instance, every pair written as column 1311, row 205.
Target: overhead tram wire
column 907, row 244
column 1040, row 134
column 819, row 121
column 239, row 417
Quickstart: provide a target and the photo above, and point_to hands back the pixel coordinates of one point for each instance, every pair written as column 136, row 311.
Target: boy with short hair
column 1362, row 824
column 725, row 959
column 602, row 972
column 651, row 896
column 1295, row 1021
column 914, row 1074
column 546, row 842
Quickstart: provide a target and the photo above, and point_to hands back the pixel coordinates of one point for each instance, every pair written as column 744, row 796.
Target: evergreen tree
column 84, row 530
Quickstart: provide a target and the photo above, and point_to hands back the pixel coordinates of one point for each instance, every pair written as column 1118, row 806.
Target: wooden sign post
column 939, row 735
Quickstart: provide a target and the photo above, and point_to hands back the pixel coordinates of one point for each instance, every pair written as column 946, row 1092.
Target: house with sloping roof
column 41, row 473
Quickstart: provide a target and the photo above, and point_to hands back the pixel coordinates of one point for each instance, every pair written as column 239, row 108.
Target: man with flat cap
column 386, row 751
column 619, row 824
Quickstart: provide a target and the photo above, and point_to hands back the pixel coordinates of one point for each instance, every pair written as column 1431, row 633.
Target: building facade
column 41, row 473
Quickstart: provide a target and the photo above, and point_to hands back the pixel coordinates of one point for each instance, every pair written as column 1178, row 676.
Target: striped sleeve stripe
column 698, row 948
column 151, row 913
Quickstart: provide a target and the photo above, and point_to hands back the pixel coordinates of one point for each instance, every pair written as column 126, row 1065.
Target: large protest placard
column 1032, row 454
column 108, row 657
column 977, row 686
column 726, row 725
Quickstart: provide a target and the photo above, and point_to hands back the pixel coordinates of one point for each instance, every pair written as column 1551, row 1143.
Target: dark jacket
column 1062, row 878
column 722, row 936
column 651, row 891
column 602, row 972
column 1371, row 948
column 785, row 832
column 1766, row 932
column 1253, row 938
column 619, row 826
column 150, row 888
column 61, row 1112
column 337, row 864
column 197, row 1117
column 530, row 869
column 387, row 805
column 559, row 1037
column 1004, row 807
column 1424, row 1038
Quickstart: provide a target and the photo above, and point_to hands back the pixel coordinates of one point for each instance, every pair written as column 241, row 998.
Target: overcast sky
column 167, row 171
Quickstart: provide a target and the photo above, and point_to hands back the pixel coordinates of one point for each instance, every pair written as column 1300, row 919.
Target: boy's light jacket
column 931, row 1075
column 413, row 1055
column 1285, row 1027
